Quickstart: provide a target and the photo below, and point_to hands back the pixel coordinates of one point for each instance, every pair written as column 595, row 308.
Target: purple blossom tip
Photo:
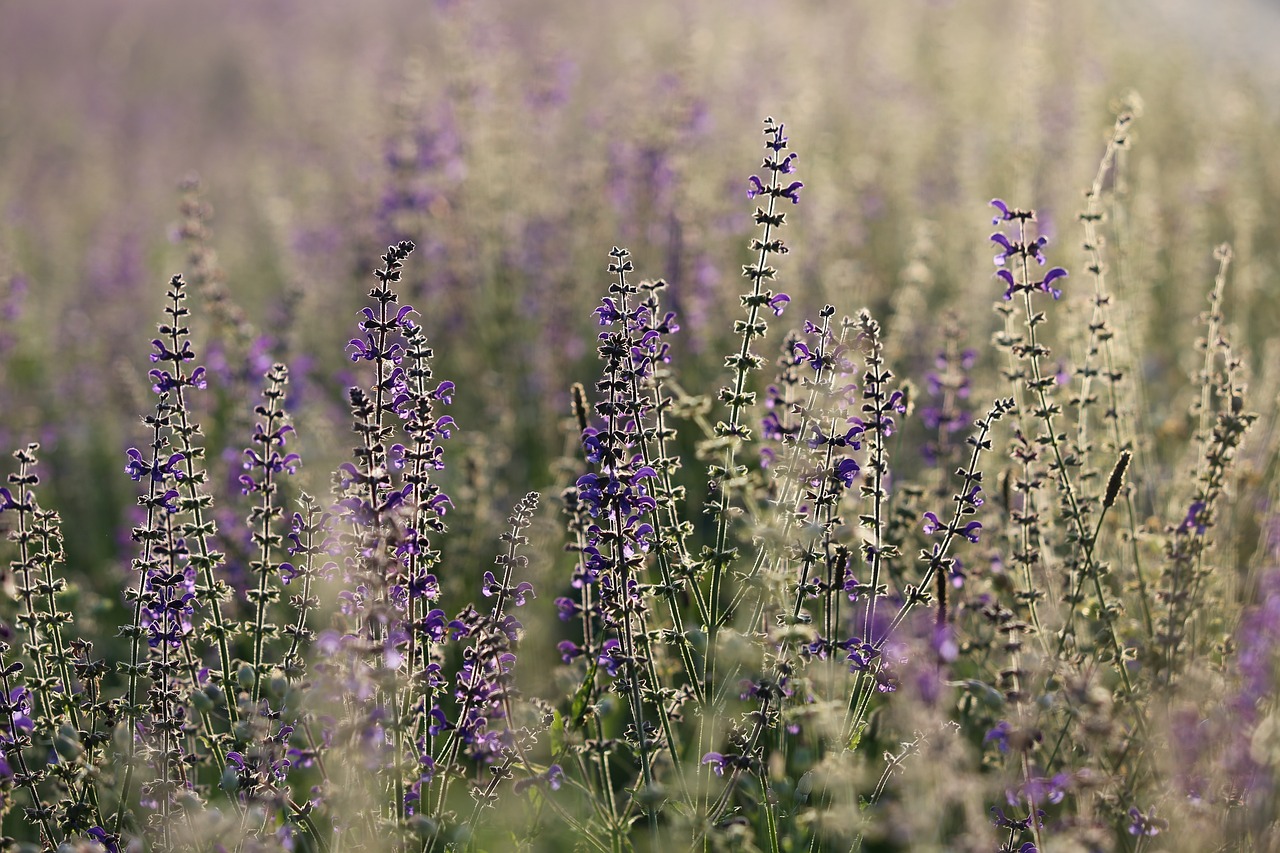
column 1007, row 278
column 568, row 650
column 1053, row 274
column 846, row 471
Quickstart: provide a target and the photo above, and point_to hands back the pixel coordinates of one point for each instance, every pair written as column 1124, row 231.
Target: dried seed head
column 1116, row 480
column 580, row 406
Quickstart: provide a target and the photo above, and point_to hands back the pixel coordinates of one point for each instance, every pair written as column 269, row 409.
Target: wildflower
column 999, row 735
column 161, row 471
column 1017, row 824
column 1195, row 519
column 720, row 762
column 1145, row 824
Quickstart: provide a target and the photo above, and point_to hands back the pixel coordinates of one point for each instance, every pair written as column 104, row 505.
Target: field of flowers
column 489, row 425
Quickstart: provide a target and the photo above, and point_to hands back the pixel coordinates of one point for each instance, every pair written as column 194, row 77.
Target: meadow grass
column 508, row 539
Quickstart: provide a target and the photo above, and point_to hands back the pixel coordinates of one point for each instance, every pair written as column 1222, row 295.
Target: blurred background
column 269, row 150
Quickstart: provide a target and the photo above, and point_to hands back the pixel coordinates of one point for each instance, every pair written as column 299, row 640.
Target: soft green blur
column 549, row 132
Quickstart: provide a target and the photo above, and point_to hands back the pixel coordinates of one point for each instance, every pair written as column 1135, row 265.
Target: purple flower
column 999, row 735
column 139, row 468
column 792, row 192
column 1016, row 824
column 169, row 500
column 1009, row 249
column 1007, row 278
column 718, row 761
column 7, row 502
column 1195, row 519
column 554, row 777
column 567, row 608
column 611, row 657
column 107, row 840
column 778, row 303
column 439, row 722
column 932, row 524
column 1039, row 789
column 521, row 592
column 1148, row 824
column 1052, row 275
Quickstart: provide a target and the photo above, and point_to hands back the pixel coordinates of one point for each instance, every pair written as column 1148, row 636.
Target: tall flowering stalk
column 265, row 463
column 728, row 477
column 1104, row 357
column 620, row 503
column 1223, row 424
column 256, row 772
column 1017, row 251
column 177, row 591
column 483, row 729
column 390, row 507
column 57, row 710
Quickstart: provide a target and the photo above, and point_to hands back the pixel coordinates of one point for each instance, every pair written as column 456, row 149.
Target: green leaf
column 578, row 710
column 557, row 733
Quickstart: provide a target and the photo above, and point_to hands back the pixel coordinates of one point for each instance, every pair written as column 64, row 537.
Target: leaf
column 557, row 733
column 578, row 710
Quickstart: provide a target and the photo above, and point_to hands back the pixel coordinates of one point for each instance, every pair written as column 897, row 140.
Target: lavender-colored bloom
column 611, row 657
column 1195, row 519
column 1052, row 275
column 1011, row 286
column 1145, row 824
column 999, row 735
column 1016, row 824
column 1008, row 249
column 139, row 467
column 567, row 608
column 1040, row 789
column 552, row 777
column 8, row 502
column 719, row 762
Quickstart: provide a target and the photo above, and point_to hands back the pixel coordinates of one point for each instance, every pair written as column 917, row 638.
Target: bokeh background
column 516, row 142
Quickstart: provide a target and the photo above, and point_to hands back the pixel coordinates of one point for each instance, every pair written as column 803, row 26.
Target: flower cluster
column 1016, row 251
